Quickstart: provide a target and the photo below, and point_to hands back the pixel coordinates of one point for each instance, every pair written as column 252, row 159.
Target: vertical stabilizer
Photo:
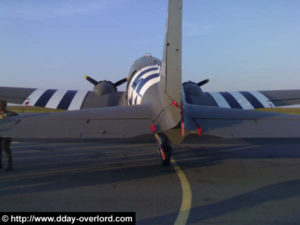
column 172, row 56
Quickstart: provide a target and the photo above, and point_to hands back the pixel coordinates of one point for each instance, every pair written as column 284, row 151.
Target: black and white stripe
column 141, row 82
column 242, row 100
column 56, row 99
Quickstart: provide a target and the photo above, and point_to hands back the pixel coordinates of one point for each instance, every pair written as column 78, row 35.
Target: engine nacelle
column 191, row 91
column 104, row 87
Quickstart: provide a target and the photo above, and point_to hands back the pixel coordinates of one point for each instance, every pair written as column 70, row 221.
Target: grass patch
column 31, row 109
column 282, row 110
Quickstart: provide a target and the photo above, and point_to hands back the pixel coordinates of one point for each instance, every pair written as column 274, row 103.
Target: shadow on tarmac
column 274, row 192
column 51, row 169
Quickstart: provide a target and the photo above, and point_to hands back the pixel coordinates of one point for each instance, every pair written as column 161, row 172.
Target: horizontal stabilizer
column 235, row 123
column 104, row 123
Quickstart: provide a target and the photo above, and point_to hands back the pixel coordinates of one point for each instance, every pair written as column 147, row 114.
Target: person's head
column 3, row 106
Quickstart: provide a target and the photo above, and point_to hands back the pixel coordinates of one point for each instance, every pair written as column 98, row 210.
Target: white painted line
column 77, row 100
column 262, row 99
column 34, row 97
column 220, row 100
column 241, row 100
column 55, row 99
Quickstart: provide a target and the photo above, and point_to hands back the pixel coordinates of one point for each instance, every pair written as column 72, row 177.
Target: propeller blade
column 94, row 82
column 120, row 82
column 201, row 83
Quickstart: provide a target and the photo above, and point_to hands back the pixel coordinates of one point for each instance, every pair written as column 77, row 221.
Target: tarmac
column 216, row 181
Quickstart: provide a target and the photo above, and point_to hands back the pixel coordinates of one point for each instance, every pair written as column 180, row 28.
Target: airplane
column 155, row 103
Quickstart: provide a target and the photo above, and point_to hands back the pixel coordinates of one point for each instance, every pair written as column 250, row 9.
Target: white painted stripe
column 138, row 101
column 262, row 99
column 241, row 100
column 77, row 100
column 140, row 95
column 55, row 99
column 149, row 74
column 141, row 71
column 147, row 86
column 132, row 92
column 220, row 100
column 34, row 97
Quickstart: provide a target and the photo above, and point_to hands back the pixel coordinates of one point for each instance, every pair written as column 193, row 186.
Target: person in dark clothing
column 5, row 142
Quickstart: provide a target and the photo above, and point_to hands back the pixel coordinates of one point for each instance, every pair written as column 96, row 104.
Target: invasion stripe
column 66, row 100
column 144, row 81
column 43, row 100
column 219, row 99
column 231, row 100
column 78, row 100
column 33, row 97
column 252, row 99
column 262, row 99
column 134, row 83
column 56, row 98
column 147, row 85
column 242, row 100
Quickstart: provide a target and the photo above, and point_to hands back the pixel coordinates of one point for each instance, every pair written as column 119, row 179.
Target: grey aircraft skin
column 154, row 103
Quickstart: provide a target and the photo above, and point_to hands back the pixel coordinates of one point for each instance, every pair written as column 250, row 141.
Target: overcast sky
column 238, row 44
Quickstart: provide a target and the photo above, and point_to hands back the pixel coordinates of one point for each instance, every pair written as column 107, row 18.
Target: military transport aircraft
column 154, row 103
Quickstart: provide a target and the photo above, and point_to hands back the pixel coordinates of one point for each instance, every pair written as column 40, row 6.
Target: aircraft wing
column 60, row 99
column 254, row 99
column 102, row 123
column 237, row 123
column 242, row 99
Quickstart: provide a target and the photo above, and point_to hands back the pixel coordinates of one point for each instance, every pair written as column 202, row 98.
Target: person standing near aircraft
column 5, row 142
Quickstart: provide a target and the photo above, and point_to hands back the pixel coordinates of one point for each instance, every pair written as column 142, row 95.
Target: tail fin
column 172, row 56
column 170, row 77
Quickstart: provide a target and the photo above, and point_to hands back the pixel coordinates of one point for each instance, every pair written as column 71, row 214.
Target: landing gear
column 165, row 149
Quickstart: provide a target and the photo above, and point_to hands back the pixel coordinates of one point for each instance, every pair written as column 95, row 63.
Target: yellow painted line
column 186, row 202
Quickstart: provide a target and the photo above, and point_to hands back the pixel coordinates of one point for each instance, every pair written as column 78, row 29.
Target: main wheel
column 166, row 153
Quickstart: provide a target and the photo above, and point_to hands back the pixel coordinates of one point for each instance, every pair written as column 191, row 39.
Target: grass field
column 30, row 109
column 282, row 110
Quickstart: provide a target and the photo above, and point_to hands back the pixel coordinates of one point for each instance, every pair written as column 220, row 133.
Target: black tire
column 167, row 149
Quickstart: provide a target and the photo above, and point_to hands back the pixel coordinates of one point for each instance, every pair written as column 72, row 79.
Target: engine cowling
column 104, row 87
column 191, row 90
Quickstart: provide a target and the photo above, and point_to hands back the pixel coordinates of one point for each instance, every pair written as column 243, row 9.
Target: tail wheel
column 166, row 153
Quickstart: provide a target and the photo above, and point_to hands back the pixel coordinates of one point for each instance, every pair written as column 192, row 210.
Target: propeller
column 201, row 83
column 91, row 80
column 94, row 82
column 120, row 82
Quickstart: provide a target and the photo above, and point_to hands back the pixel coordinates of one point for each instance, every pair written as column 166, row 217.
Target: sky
column 237, row 44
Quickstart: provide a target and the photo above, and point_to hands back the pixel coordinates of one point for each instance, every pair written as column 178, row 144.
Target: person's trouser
column 5, row 145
